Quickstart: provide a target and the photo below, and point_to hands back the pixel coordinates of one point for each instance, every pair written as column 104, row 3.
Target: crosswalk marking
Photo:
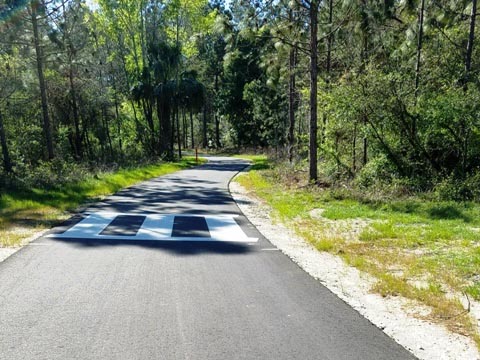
column 158, row 227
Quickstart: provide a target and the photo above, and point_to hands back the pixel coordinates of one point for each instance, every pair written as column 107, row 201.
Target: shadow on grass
column 415, row 209
column 447, row 212
column 260, row 164
column 410, row 207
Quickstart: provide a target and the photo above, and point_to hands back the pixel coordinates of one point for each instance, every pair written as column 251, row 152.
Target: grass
column 25, row 212
column 421, row 249
column 259, row 162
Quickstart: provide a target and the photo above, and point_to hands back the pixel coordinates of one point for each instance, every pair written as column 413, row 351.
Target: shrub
column 376, row 170
column 50, row 174
column 453, row 188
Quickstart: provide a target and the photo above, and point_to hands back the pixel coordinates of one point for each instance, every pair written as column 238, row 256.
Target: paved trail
column 121, row 282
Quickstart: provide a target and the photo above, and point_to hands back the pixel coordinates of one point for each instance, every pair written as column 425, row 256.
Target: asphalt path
column 77, row 298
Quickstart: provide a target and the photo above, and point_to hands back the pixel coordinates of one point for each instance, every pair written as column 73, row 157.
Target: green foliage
column 49, row 174
column 453, row 188
column 117, row 76
column 376, row 170
column 265, row 108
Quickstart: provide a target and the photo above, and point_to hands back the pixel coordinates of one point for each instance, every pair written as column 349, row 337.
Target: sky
column 92, row 4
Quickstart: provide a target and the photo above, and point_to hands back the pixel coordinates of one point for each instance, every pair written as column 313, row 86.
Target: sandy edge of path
column 7, row 252
column 393, row 315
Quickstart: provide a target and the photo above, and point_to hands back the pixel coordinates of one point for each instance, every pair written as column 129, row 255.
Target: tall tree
column 471, row 40
column 313, row 137
column 38, row 7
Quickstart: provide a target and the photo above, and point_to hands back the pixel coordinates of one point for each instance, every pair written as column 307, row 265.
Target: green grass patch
column 421, row 249
column 259, row 162
column 25, row 211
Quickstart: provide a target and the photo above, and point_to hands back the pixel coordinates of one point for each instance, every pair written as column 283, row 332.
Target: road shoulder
column 394, row 315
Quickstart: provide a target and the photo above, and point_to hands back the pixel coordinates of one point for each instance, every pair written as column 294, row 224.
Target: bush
column 452, row 188
column 376, row 170
column 50, row 174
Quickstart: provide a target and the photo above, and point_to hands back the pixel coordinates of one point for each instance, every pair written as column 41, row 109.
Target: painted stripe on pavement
column 158, row 227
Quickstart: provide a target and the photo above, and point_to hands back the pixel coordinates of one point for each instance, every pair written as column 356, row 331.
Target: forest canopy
column 355, row 90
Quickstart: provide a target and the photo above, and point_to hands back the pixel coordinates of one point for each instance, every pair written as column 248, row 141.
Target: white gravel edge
column 424, row 339
column 7, row 252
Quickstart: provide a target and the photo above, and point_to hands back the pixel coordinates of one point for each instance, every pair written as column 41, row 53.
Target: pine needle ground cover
column 424, row 250
column 24, row 212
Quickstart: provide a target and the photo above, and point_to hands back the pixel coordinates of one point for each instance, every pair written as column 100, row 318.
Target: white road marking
column 158, row 227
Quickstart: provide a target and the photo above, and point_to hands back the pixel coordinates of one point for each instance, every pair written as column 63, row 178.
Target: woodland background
column 365, row 92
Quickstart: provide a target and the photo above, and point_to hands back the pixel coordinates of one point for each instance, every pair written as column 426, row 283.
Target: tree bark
column 329, row 40
column 328, row 66
column 419, row 52
column 47, row 126
column 313, row 14
column 471, row 39
column 76, row 120
column 205, row 140
column 172, row 134
column 191, row 129
column 185, row 128
column 117, row 115
column 468, row 67
column 365, row 142
column 179, row 142
column 121, row 45
column 365, row 57
column 165, row 125
column 217, row 120
column 106, row 126
column 354, row 149
column 7, row 162
column 292, row 63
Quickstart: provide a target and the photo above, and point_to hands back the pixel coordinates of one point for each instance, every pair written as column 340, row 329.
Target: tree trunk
column 365, row 142
column 468, row 66
column 47, row 126
column 217, row 121
column 165, row 124
column 172, row 134
column 354, row 149
column 88, row 142
column 365, row 57
column 313, row 13
column 471, row 39
column 148, row 113
column 292, row 64
column 106, row 126
column 328, row 65
column 179, row 142
column 76, row 120
column 185, row 128
column 329, row 40
column 7, row 162
column 205, row 140
column 419, row 55
column 117, row 117
column 121, row 46
column 191, row 129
